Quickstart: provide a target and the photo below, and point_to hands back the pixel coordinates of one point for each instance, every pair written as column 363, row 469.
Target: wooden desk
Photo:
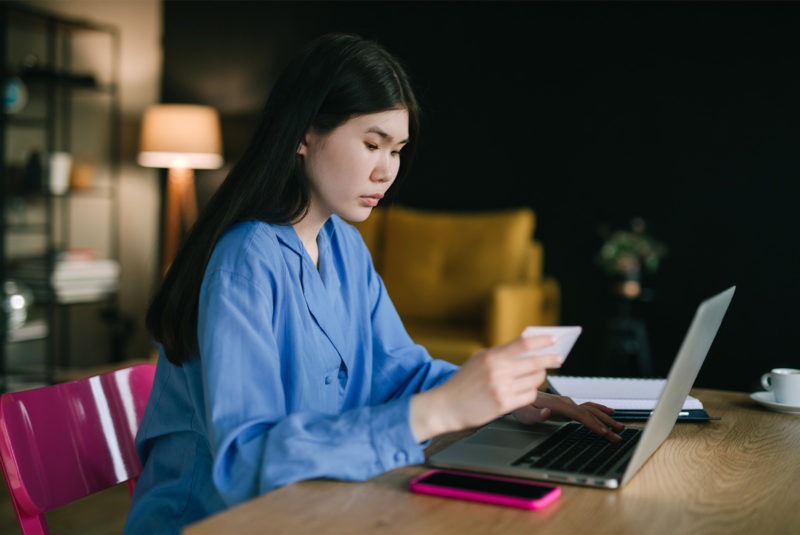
column 738, row 475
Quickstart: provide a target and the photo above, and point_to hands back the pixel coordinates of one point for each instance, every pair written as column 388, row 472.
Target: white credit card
column 565, row 339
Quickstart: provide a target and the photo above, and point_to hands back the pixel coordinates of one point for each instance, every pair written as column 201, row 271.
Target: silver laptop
column 569, row 452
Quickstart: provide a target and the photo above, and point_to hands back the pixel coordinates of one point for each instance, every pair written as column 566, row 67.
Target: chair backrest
column 64, row 442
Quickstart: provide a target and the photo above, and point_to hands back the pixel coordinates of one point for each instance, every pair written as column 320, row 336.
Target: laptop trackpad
column 503, row 438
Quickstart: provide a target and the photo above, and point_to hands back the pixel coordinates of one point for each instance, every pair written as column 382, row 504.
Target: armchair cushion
column 439, row 266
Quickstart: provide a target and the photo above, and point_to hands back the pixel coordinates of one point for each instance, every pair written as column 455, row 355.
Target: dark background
column 685, row 114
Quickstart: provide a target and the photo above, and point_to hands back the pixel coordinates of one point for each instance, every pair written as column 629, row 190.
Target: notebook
column 631, row 398
column 569, row 452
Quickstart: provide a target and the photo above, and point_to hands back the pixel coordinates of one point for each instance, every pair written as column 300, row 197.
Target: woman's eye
column 396, row 153
column 371, row 146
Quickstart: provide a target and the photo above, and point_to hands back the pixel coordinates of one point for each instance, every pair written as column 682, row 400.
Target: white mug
column 784, row 383
column 60, row 166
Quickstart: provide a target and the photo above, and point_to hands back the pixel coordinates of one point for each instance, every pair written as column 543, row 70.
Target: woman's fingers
column 529, row 414
column 605, row 417
column 528, row 384
column 607, row 410
column 595, row 416
column 599, row 422
column 534, row 364
column 603, row 413
column 520, row 347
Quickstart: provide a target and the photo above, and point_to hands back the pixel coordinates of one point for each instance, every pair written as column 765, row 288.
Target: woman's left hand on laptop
column 593, row 415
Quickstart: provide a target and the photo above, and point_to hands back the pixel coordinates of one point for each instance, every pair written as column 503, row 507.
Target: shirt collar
column 288, row 236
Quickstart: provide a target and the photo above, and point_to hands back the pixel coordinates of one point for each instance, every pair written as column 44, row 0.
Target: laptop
column 570, row 452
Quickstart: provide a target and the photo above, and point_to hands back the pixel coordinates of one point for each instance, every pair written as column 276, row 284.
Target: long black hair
column 334, row 78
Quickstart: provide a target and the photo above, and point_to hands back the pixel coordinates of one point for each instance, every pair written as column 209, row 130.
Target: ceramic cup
column 784, row 383
column 60, row 166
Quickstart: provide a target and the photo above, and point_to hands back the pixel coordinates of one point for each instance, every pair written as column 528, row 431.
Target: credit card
column 565, row 338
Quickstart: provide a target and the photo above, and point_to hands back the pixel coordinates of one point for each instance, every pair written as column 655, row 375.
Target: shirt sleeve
column 256, row 445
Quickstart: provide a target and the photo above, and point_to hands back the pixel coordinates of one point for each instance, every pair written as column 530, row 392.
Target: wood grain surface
column 737, row 475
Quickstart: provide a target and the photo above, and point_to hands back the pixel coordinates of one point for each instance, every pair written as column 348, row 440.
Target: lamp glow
column 181, row 138
column 180, row 135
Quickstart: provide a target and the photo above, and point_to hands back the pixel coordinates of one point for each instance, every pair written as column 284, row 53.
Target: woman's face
column 351, row 167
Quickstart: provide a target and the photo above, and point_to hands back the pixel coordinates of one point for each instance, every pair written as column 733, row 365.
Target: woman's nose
column 385, row 170
column 378, row 176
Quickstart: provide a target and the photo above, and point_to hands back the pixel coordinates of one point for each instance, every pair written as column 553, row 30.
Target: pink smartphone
column 485, row 488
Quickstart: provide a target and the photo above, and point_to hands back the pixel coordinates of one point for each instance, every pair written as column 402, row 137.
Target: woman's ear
column 302, row 148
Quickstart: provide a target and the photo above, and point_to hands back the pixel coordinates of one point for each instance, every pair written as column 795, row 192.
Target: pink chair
column 67, row 441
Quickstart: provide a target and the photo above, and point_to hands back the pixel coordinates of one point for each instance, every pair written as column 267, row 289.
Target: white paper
column 616, row 392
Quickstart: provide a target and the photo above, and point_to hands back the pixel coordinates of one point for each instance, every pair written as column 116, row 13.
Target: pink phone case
column 477, row 496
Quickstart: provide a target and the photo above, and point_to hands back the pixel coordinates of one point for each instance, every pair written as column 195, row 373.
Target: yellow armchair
column 462, row 281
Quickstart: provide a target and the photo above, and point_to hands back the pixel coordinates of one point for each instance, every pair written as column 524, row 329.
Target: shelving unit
column 60, row 78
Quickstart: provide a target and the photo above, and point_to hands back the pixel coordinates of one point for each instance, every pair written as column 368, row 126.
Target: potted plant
column 626, row 254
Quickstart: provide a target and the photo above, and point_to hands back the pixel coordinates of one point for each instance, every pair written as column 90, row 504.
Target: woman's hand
column 593, row 415
column 493, row 382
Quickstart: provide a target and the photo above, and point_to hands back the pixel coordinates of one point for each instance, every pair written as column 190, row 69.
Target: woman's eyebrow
column 384, row 135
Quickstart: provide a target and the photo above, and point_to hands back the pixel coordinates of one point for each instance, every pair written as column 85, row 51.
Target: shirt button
column 328, row 380
column 401, row 457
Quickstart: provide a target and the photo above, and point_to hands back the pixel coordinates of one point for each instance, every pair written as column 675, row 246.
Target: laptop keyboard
column 575, row 448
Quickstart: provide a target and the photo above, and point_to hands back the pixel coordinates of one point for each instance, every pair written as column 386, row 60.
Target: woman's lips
column 371, row 200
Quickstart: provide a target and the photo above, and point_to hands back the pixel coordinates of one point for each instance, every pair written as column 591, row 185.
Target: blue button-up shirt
column 302, row 373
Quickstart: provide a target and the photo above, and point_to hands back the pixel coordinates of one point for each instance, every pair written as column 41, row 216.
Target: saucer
column 767, row 399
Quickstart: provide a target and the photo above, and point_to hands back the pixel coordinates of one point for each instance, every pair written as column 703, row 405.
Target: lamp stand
column 181, row 207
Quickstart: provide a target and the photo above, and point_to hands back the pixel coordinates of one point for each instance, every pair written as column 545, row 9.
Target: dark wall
column 686, row 114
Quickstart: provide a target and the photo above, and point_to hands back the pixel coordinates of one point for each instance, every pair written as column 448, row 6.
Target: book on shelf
column 84, row 291
column 69, row 270
column 631, row 398
column 73, row 280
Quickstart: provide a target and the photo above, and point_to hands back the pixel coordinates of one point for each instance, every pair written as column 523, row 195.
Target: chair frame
column 63, row 442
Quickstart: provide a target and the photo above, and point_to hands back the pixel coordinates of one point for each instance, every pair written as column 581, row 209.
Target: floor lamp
column 180, row 138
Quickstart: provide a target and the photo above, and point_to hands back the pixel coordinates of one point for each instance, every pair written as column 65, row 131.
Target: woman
column 282, row 356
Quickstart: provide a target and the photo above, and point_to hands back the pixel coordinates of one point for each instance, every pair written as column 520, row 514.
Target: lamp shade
column 184, row 136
